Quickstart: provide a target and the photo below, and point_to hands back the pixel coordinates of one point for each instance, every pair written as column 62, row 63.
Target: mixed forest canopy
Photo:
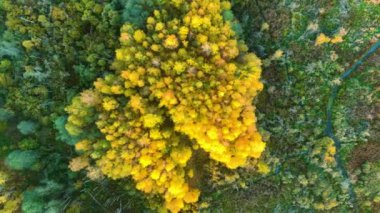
column 189, row 106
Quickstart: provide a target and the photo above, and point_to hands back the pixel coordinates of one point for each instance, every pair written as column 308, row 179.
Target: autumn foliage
column 182, row 83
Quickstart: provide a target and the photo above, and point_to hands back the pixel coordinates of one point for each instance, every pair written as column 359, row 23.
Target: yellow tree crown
column 183, row 82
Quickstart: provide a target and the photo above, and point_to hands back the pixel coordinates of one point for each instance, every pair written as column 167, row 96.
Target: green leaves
column 27, row 127
column 42, row 198
column 9, row 49
column 21, row 160
column 137, row 11
column 5, row 114
column 63, row 135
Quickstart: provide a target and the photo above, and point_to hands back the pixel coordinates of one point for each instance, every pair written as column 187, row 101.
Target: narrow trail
column 329, row 126
column 329, row 123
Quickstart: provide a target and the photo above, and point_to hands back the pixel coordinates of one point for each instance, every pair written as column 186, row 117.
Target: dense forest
column 189, row 106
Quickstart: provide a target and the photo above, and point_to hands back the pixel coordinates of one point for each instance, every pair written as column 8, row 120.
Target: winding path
column 329, row 126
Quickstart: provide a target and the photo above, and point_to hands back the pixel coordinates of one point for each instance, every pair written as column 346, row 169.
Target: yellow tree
column 182, row 83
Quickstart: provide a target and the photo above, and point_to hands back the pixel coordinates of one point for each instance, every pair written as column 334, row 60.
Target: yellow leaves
column 212, row 133
column 155, row 47
column 330, row 152
column 150, row 21
column 136, row 103
column 192, row 196
column 178, row 187
column 263, row 168
column 277, row 55
column 157, row 13
column 5, row 80
column 324, row 151
column 124, row 37
column 145, row 185
column 116, row 89
column 3, row 178
column 101, row 86
column 252, row 60
column 181, row 155
column 94, row 173
column 236, row 104
column 322, row 39
column 111, row 154
column 9, row 204
column 78, row 116
column 219, row 149
column 119, row 54
column 183, row 32
column 78, row 163
column 171, row 42
column 133, row 78
column 155, row 134
column 89, row 98
column 231, row 68
column 3, row 199
column 337, row 39
column 159, row 26
column 174, row 205
column 190, row 173
column 169, row 166
column 58, row 14
column 225, row 5
column 139, row 36
column 72, row 129
column 196, row 22
column 168, row 99
column 231, row 50
column 145, row 160
column 28, row 44
column 42, row 19
column 151, row 120
column 329, row 159
column 155, row 175
column 202, row 39
column 235, row 162
column 265, row 26
column 331, row 149
column 177, row 3
column 258, row 147
column 82, row 145
column 326, row 206
column 373, row 1
column 179, row 67
column 178, row 87
column 109, row 104
column 199, row 84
